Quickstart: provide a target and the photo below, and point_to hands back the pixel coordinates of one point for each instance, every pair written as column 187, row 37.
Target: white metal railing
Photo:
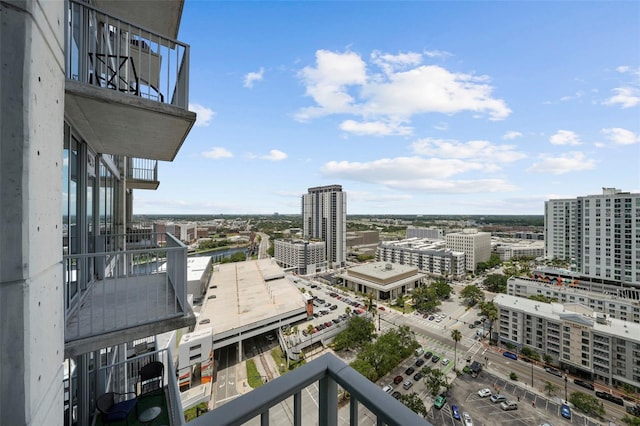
column 110, row 52
column 126, row 287
column 142, row 169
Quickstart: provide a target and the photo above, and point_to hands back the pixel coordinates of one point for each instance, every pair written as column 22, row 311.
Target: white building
column 384, row 280
column 597, row 234
column 301, row 257
column 615, row 301
column 475, row 245
column 324, row 218
column 577, row 338
column 428, row 256
column 508, row 249
column 430, row 233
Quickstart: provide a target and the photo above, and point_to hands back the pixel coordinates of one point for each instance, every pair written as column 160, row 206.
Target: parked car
column 439, row 402
column 584, row 384
column 497, row 398
column 381, row 308
column 396, row 394
column 445, row 361
column 417, row 376
column 409, row 371
column 428, row 355
column 553, row 371
column 333, row 307
column 510, row 355
column 406, row 385
column 455, row 412
column 509, row 405
column 435, row 358
column 398, row 379
column 466, row 418
column 419, row 362
column 609, row 397
column 387, row 388
column 565, row 411
column 472, row 326
column 483, row 393
column 430, row 317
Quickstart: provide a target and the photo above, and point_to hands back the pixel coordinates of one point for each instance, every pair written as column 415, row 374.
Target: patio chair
column 113, row 411
column 150, row 378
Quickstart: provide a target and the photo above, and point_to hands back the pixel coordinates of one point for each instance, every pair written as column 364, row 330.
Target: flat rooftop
column 382, row 270
column 247, row 294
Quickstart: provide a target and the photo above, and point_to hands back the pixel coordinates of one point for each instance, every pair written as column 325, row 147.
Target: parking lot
column 464, row 393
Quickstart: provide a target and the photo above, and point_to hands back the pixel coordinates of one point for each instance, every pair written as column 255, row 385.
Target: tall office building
column 597, row 234
column 475, row 245
column 324, row 217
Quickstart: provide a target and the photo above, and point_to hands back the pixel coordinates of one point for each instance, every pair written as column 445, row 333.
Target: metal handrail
column 111, row 52
column 329, row 372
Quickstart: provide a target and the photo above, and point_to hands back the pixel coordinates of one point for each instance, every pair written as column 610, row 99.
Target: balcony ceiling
column 123, row 124
column 162, row 17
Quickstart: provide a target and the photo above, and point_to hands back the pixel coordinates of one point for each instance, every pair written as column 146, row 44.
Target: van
column 419, row 352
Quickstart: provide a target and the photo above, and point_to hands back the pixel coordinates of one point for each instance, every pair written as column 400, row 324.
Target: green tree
column 310, row 329
column 358, row 332
column 347, row 310
column 424, row 299
column 530, row 353
column 414, row 403
column 491, row 311
column 496, row 283
column 547, row 358
column 440, row 288
column 588, row 404
column 629, row 390
column 550, row 388
column 513, row 375
column 472, row 294
column 434, row 380
column 630, row 420
column 456, row 335
column 364, row 368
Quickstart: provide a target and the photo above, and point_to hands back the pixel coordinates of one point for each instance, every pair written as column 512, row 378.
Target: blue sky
column 413, row 107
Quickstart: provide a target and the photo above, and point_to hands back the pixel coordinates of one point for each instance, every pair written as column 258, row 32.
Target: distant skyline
column 413, row 107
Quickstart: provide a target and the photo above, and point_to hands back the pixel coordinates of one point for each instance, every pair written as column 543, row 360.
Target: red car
column 381, row 308
column 398, row 379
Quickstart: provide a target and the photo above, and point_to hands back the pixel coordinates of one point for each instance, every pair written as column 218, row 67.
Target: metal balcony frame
column 329, row 372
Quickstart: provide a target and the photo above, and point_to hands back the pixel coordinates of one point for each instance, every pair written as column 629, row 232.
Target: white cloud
column 560, row 164
column 599, row 145
column 565, row 137
column 217, row 152
column 340, row 83
column 628, row 94
column 376, row 128
column 437, row 53
column 441, row 126
column 577, row 95
column 480, row 151
column 252, row 77
column 274, row 155
column 204, row 114
column 511, row 135
column 621, row 136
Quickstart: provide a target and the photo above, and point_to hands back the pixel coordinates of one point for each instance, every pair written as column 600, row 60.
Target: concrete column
column 31, row 135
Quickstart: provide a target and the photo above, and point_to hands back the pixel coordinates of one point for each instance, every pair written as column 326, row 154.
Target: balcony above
column 127, row 88
column 163, row 17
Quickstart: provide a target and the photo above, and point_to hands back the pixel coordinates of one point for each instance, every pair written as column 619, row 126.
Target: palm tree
column 456, row 336
column 550, row 388
column 347, row 310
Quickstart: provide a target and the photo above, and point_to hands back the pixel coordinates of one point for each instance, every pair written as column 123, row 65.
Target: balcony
column 135, row 287
column 127, row 87
column 327, row 373
column 142, row 173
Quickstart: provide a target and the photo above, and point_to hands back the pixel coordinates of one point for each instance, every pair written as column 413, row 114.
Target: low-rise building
column 431, row 233
column 578, row 339
column 511, row 248
column 299, row 256
column 430, row 256
column 385, row 280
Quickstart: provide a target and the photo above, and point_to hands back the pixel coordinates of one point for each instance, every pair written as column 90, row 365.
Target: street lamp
column 565, row 388
column 531, row 362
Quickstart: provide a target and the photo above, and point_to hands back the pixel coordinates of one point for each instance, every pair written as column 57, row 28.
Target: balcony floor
column 157, row 399
column 118, row 310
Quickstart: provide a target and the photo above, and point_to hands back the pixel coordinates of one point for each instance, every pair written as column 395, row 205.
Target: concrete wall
column 31, row 135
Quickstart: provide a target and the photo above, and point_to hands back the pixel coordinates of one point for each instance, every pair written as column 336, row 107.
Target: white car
column 445, row 361
column 483, row 393
column 387, row 388
column 466, row 419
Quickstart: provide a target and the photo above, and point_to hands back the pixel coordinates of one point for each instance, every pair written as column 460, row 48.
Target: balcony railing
column 142, row 173
column 136, row 279
column 329, row 373
column 107, row 51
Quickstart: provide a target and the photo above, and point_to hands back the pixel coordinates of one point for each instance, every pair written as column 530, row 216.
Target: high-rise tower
column 324, row 217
